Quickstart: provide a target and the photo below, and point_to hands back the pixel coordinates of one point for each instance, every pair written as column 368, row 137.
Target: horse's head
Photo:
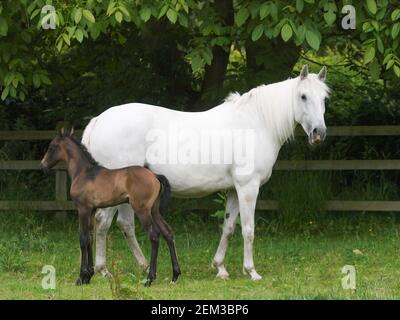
column 310, row 99
column 56, row 151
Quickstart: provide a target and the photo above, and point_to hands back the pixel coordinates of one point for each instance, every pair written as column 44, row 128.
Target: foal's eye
column 303, row 97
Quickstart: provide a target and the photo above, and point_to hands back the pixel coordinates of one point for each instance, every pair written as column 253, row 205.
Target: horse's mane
column 275, row 104
column 84, row 150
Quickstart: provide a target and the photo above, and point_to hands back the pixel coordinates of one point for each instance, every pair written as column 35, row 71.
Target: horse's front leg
column 247, row 195
column 231, row 213
column 103, row 219
column 84, row 238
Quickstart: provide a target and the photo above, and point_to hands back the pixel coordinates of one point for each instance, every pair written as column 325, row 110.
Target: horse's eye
column 303, row 97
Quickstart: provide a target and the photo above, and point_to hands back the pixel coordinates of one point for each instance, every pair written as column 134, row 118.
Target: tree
column 272, row 35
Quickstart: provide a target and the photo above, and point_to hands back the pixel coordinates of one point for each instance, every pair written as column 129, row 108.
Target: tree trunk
column 212, row 85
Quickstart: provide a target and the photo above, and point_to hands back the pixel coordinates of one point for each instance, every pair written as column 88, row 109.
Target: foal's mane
column 84, row 150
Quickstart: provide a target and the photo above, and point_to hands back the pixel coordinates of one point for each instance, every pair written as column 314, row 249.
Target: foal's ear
column 322, row 74
column 62, row 131
column 71, row 133
column 304, row 72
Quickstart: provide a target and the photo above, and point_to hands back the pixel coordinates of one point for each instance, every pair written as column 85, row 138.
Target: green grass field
column 294, row 265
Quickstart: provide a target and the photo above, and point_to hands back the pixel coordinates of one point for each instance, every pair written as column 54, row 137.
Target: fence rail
column 61, row 202
column 350, row 131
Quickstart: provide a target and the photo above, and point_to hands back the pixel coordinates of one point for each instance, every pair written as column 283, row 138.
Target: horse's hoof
column 104, row 272
column 252, row 273
column 145, row 267
column 147, row 284
column 223, row 275
column 255, row 276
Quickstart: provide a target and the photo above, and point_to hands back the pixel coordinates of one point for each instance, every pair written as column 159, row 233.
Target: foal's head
column 57, row 150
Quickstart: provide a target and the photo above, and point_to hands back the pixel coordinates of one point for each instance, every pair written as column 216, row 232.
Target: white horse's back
column 120, row 137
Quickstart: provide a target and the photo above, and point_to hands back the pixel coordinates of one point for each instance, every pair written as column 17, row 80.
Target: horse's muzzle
column 45, row 169
column 317, row 135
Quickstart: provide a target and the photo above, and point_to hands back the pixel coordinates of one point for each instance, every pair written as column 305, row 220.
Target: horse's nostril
column 315, row 131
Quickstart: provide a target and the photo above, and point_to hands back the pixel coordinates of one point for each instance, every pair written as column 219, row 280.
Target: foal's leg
column 155, row 242
column 168, row 235
column 247, row 195
column 84, row 238
column 103, row 219
column 125, row 221
column 90, row 250
column 144, row 215
column 231, row 213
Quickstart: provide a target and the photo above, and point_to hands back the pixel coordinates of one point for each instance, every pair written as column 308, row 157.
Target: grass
column 299, row 250
column 294, row 266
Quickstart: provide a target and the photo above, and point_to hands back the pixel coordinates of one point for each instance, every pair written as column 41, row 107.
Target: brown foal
column 93, row 186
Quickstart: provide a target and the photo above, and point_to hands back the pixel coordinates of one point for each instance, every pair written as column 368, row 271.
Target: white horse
column 253, row 127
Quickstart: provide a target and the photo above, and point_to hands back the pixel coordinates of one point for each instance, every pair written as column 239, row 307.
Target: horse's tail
column 165, row 193
column 88, row 132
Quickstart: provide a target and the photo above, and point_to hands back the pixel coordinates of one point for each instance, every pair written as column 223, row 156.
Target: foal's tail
column 165, row 193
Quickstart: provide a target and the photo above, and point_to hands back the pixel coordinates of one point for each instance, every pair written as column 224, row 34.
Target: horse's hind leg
column 125, row 221
column 144, row 215
column 168, row 235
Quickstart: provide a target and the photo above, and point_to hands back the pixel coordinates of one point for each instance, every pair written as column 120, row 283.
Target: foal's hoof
column 175, row 276
column 80, row 281
column 147, row 284
column 83, row 280
column 91, row 272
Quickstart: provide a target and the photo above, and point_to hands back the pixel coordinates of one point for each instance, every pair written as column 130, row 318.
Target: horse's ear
column 322, row 74
column 71, row 133
column 304, row 72
column 62, row 131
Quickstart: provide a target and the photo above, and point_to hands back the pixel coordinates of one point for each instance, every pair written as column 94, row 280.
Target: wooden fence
column 61, row 202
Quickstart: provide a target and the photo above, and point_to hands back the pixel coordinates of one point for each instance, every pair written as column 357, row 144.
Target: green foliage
column 25, row 46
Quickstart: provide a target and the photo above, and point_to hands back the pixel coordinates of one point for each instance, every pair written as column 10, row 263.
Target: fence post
column 61, row 190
